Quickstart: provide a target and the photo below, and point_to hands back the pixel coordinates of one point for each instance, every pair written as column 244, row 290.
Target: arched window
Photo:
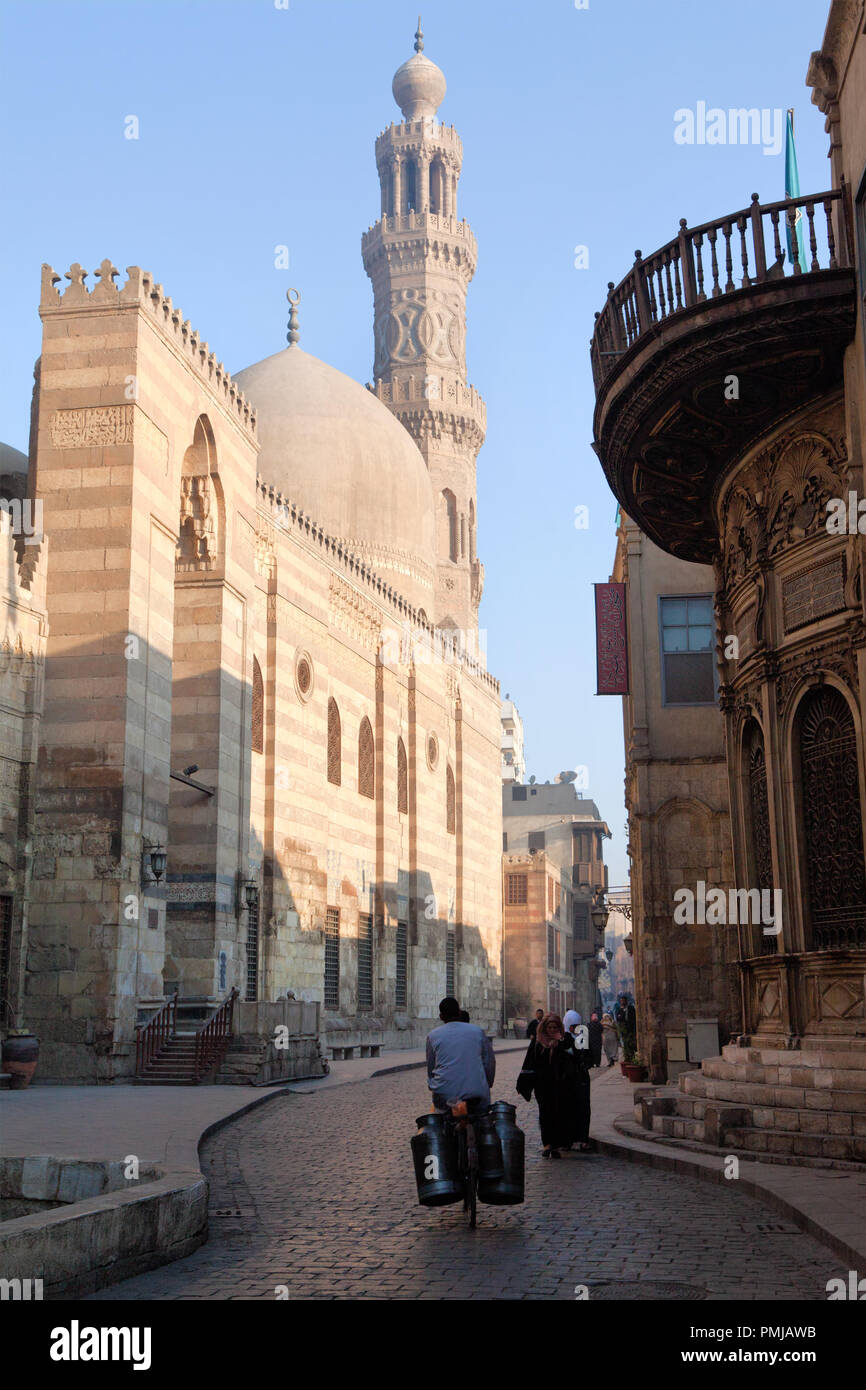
column 450, row 802
column 451, row 522
column 366, row 760
column 335, row 744
column 411, row 190
column 472, row 536
column 402, row 778
column 831, row 820
column 759, row 818
column 258, row 708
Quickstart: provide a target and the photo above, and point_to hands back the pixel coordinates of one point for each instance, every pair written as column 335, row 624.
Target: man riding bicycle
column 460, row 1060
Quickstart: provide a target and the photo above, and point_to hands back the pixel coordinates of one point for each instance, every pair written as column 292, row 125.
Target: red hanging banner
column 611, row 643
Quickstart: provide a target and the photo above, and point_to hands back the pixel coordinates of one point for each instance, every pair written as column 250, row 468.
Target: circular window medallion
column 432, row 751
column 304, row 675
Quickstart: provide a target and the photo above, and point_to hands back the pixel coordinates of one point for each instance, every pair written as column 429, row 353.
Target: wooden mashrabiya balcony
column 721, row 301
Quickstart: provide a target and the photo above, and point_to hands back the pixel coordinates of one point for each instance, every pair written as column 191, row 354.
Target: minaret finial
column 419, row 38
column 293, row 336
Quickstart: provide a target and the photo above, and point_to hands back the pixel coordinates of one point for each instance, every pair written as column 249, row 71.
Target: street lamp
column 251, row 894
column 154, row 859
column 598, row 912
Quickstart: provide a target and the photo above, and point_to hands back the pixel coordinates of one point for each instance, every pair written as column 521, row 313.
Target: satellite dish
column 532, row 781
column 568, row 776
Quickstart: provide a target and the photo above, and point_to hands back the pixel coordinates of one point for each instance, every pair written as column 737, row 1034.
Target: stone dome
column 330, row 446
column 419, row 87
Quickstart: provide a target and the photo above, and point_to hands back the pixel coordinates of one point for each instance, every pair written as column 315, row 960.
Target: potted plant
column 635, row 1069
column 19, row 1057
column 629, row 1050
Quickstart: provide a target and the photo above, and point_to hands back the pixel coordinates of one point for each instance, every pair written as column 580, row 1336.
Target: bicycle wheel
column 472, row 1177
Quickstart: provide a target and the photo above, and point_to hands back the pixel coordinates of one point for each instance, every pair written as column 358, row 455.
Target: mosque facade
column 249, row 737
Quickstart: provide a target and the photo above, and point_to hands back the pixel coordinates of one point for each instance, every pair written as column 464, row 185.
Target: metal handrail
column 212, row 1040
column 152, row 1036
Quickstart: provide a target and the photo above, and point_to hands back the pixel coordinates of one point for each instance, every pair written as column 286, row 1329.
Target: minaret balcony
column 710, row 342
column 425, row 224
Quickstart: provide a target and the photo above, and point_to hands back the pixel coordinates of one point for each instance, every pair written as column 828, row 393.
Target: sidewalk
column 160, row 1124
column 828, row 1203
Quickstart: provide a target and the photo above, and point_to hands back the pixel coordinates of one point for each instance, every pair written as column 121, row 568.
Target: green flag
column 792, row 190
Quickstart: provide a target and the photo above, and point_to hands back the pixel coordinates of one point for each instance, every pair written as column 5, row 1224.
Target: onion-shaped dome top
column 419, row 86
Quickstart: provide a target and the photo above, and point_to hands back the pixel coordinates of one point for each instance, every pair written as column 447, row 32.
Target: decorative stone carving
column 91, row 428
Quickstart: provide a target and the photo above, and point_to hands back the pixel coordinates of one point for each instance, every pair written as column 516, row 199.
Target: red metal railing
column 698, row 265
column 152, row 1036
column 211, row 1041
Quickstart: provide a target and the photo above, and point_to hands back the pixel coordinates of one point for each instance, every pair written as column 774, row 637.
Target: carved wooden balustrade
column 746, row 248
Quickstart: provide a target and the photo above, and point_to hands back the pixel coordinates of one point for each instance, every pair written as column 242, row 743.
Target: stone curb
column 626, row 1148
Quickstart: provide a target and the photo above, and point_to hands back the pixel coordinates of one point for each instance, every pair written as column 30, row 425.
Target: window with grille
column 401, row 967
column 450, row 802
column 335, row 744
column 258, row 708
column 366, row 760
column 536, row 839
column 332, row 958
column 450, row 985
column 581, row 921
column 515, row 885
column 832, row 827
column 518, row 793
column 688, row 655
column 402, row 778
column 551, row 948
column 5, row 956
column 253, row 952
column 365, row 960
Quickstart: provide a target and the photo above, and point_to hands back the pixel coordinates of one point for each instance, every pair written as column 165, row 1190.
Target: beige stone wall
column 329, row 846
column 123, row 381
column 678, row 809
column 22, row 648
column 174, row 572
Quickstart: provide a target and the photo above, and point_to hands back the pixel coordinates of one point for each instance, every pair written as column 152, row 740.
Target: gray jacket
column 460, row 1062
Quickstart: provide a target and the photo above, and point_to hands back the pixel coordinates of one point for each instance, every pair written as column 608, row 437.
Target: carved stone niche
column 196, row 542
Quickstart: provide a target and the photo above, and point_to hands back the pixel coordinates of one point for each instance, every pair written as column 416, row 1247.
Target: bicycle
column 462, row 1121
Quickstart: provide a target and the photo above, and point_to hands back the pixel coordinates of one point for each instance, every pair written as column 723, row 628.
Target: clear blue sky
column 257, row 128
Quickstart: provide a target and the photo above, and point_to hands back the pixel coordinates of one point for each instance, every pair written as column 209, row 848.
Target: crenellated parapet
column 141, row 290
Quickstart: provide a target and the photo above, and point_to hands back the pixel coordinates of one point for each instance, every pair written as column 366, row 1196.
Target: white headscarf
column 572, row 1020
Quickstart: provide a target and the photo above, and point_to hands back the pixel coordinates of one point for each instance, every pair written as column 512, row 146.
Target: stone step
column 165, row 1081
column 679, row 1127
column 844, row 1056
column 697, row 1085
column 784, row 1118
column 809, row 1078
column 774, row 1141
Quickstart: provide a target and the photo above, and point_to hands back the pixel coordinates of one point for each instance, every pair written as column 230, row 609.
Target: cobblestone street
column 316, row 1192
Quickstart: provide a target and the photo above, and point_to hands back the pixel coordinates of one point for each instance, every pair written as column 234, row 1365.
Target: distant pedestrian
column 534, row 1022
column 595, row 1031
column 610, row 1039
column 549, row 1069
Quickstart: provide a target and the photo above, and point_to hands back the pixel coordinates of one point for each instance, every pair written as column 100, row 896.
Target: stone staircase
column 775, row 1105
column 174, row 1065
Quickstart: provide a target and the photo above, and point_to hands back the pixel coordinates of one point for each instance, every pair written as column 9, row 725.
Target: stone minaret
column 420, row 259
